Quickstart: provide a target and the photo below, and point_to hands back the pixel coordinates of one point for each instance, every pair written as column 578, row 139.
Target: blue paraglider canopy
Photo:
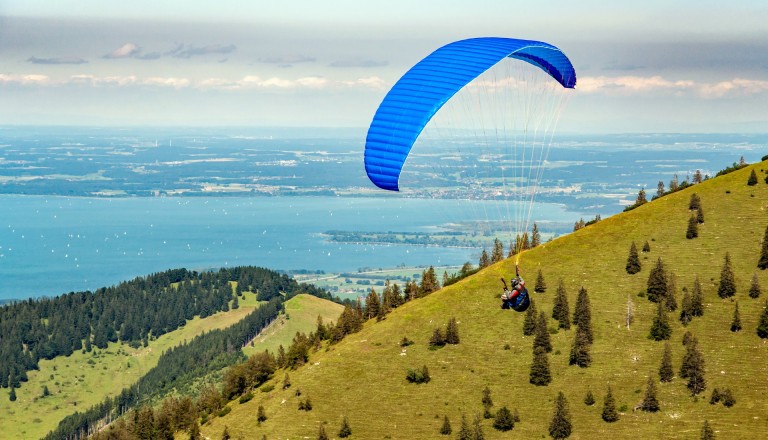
column 423, row 90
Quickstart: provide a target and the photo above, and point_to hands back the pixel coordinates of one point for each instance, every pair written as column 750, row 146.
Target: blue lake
column 53, row 245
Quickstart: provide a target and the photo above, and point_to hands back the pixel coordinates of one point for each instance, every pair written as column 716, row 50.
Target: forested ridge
column 133, row 312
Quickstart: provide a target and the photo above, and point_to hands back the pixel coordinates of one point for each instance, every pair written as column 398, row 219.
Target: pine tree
column 752, row 181
column 754, row 288
column 372, row 304
column 529, row 323
column 589, row 399
column 633, row 261
column 485, row 260
column 321, row 435
column 670, row 301
column 666, row 372
column 535, row 237
column 693, row 228
column 660, row 189
column 714, row 399
column 650, row 402
column 465, row 432
column 706, row 431
column 692, row 367
column 736, row 322
column 286, row 382
column 762, row 326
column 641, row 198
column 487, row 403
column 560, row 309
column 697, row 299
column 580, row 350
column 700, row 215
column 560, row 427
column 695, row 202
column 345, row 431
column 609, row 414
column 660, row 330
column 727, row 397
column 225, row 435
column 194, row 431
column 498, row 251
column 429, row 282
column 541, row 285
column 477, row 429
column 686, row 313
column 673, row 184
column 763, row 263
column 540, row 375
column 446, row 428
column 12, row 394
column 504, row 420
column 261, row 416
column 727, row 286
column 437, row 339
column 582, row 314
column 646, row 247
column 452, row 332
column 657, row 283
column 541, row 338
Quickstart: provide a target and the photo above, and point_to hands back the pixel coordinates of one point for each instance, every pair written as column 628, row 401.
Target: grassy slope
column 301, row 314
column 363, row 377
column 78, row 384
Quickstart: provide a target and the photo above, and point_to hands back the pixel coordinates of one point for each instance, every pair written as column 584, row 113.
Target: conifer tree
column 660, row 189
column 762, row 325
column 673, row 184
column 697, row 298
column 261, row 416
column 666, row 372
column 541, row 285
column 692, row 367
column 485, row 260
column 646, row 246
column 560, row 309
column 452, row 332
column 372, row 304
column 752, row 181
column 225, row 435
column 660, row 329
column 727, row 397
column 498, row 251
column 609, row 413
column 560, row 427
column 633, row 261
column 446, row 428
column 715, row 397
column 345, row 431
column 657, row 282
column 727, row 286
column 641, row 198
column 763, row 262
column 465, row 432
column 321, row 435
column 529, row 323
column 650, row 402
column 541, row 338
column 686, row 313
column 194, row 431
column 540, row 375
column 504, row 420
column 582, row 314
column 437, row 339
column 589, row 399
column 535, row 236
column 706, row 431
column 526, row 242
column 580, row 350
column 670, row 301
column 695, row 202
column 693, row 228
column 754, row 288
column 429, row 282
column 477, row 429
column 700, row 215
column 736, row 322
column 12, row 394
column 487, row 403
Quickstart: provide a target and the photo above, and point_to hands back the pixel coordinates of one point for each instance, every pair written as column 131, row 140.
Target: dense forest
column 133, row 312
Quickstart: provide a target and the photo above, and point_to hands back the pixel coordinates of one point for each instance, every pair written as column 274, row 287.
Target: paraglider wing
column 420, row 93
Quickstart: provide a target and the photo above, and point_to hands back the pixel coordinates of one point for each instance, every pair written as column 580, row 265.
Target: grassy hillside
column 301, row 314
column 363, row 377
column 85, row 379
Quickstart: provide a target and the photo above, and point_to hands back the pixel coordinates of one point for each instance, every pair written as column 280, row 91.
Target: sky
column 653, row 66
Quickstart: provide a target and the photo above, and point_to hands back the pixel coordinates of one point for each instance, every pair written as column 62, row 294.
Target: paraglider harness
column 519, row 302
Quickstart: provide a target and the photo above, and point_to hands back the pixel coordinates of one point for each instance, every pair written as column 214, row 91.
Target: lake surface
column 53, row 245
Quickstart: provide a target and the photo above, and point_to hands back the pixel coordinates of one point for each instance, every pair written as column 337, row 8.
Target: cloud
column 640, row 85
column 373, row 82
column 189, row 51
column 56, row 60
column 734, row 87
column 287, row 61
column 29, row 79
column 127, row 50
column 357, row 62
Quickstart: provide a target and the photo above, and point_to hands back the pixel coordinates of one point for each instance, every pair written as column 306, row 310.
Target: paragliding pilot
column 516, row 299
